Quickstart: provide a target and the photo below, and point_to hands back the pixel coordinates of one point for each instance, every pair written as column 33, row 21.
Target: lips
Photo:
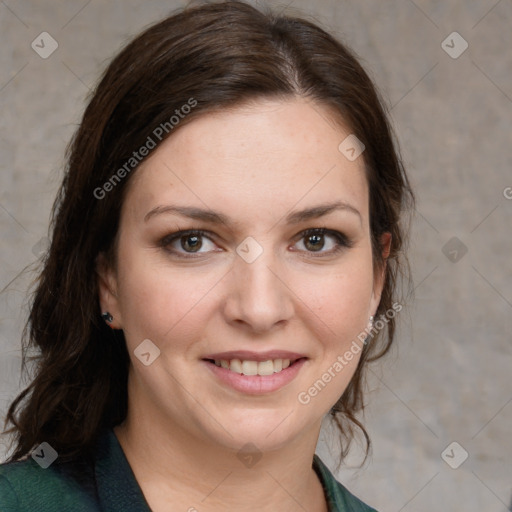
column 255, row 372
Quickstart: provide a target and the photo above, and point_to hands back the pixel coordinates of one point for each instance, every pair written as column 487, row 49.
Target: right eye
column 185, row 242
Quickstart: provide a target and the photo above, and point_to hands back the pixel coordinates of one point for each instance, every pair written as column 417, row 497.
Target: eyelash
column 342, row 241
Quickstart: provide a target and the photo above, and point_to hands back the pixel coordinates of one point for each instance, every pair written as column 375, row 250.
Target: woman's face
column 254, row 289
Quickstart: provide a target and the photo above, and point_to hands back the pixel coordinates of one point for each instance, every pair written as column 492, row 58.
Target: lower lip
column 256, row 384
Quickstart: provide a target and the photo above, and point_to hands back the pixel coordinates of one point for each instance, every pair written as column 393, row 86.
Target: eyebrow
column 214, row 217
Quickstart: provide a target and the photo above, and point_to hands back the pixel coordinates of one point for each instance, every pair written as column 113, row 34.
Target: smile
column 255, row 377
column 247, row 367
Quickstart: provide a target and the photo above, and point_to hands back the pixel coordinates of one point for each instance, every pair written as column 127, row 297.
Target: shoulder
column 26, row 486
column 339, row 497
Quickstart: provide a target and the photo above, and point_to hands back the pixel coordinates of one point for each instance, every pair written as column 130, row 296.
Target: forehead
column 258, row 159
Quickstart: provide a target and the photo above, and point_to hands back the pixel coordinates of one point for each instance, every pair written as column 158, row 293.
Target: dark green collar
column 118, row 489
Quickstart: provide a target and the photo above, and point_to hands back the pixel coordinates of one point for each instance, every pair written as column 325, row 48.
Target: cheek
column 157, row 301
column 340, row 298
column 340, row 305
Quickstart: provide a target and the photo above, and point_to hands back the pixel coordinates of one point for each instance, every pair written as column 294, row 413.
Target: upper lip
column 248, row 355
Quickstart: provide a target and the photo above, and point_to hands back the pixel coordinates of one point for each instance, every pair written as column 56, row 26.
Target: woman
column 226, row 245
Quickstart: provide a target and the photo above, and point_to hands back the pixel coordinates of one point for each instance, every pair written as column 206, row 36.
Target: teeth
column 254, row 367
column 235, row 365
column 266, row 368
column 249, row 367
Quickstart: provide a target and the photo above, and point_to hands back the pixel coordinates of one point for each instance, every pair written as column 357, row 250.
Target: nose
column 259, row 297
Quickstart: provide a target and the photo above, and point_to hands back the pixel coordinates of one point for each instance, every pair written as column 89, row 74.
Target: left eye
column 314, row 240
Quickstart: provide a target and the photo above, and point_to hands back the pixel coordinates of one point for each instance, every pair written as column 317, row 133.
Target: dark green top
column 109, row 485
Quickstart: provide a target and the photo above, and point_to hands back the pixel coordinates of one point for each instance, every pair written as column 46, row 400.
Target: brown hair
column 219, row 56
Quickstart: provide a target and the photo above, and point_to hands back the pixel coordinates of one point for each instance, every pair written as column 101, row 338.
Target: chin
column 266, row 430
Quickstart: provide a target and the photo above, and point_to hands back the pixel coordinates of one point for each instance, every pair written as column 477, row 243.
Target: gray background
column 446, row 380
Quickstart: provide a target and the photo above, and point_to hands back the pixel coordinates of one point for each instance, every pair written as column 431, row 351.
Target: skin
column 255, row 165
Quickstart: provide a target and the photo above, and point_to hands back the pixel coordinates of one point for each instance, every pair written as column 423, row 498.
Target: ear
column 380, row 274
column 107, row 290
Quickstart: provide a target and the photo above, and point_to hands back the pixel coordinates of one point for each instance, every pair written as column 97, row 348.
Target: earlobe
column 107, row 291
